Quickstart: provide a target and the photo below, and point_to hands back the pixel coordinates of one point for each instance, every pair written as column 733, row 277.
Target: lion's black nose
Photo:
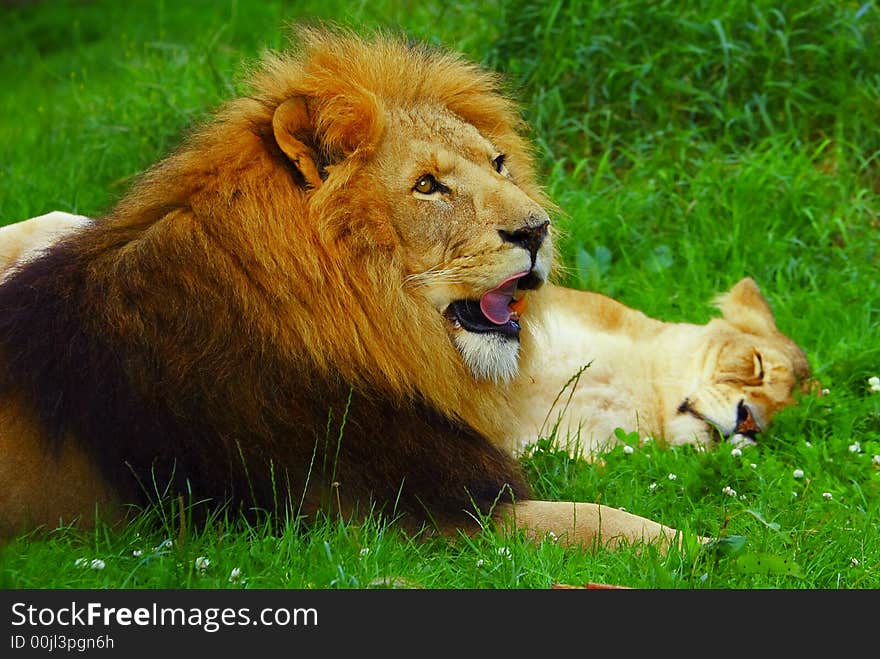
column 530, row 238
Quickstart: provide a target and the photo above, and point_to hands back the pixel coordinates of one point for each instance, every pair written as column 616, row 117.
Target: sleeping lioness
column 608, row 366
column 604, row 366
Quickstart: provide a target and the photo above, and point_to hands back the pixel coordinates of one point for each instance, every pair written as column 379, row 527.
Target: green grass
column 687, row 144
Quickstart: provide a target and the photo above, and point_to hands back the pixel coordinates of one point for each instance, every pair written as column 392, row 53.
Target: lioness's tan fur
column 605, row 366
column 22, row 241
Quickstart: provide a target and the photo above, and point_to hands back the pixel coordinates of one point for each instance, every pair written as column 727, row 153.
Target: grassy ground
column 687, row 147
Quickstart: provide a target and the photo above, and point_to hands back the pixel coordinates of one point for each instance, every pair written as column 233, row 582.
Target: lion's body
column 225, row 325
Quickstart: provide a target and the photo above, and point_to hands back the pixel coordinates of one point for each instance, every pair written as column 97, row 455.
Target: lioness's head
column 414, row 156
column 742, row 371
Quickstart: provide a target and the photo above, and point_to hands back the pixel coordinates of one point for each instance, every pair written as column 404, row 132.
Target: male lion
column 313, row 304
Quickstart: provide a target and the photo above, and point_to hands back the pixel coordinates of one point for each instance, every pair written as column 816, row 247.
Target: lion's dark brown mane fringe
column 87, row 384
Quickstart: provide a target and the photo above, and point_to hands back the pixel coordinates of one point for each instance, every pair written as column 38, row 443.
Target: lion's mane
column 239, row 329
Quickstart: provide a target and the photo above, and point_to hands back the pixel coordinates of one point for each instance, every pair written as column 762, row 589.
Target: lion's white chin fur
column 489, row 356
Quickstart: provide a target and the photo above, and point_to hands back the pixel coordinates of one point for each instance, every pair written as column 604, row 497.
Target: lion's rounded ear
column 291, row 124
column 745, row 307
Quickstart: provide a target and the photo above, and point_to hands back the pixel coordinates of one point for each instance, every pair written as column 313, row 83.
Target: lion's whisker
column 435, row 275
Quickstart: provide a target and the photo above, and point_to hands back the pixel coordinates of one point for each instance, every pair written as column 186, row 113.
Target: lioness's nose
column 529, row 237
column 745, row 420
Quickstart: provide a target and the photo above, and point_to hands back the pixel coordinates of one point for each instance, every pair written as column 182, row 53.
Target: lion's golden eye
column 427, row 185
column 758, row 365
column 499, row 165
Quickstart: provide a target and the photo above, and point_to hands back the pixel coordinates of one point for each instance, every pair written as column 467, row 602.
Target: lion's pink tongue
column 495, row 304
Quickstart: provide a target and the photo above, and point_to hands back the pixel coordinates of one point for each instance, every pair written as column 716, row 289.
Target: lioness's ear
column 744, row 307
column 290, row 123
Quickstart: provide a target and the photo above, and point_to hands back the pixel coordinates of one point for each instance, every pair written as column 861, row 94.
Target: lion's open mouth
column 498, row 310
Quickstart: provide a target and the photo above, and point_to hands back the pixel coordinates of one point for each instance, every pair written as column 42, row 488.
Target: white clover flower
column 798, row 473
column 80, row 562
column 672, row 477
column 854, row 562
column 753, row 465
column 808, row 444
column 876, row 460
column 729, row 491
column 235, row 575
column 736, row 451
column 365, row 551
column 652, row 486
column 480, row 562
column 826, row 391
column 628, row 449
column 202, row 563
column 137, row 552
column 874, row 383
column 855, row 447
column 97, row 564
column 505, row 552
column 827, row 496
